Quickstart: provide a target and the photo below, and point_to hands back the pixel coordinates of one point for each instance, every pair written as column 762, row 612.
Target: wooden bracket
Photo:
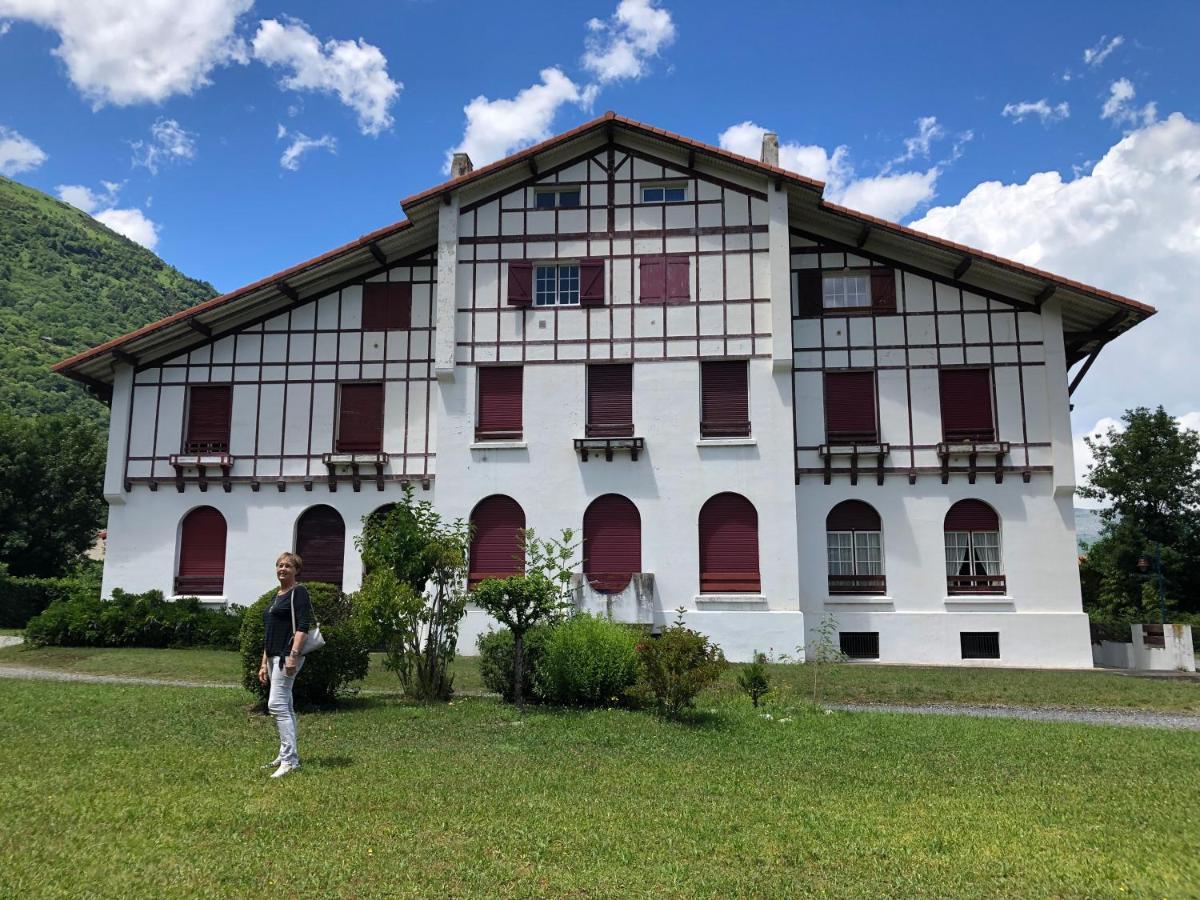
column 288, row 291
column 377, row 253
column 199, row 327
column 961, row 269
column 863, row 234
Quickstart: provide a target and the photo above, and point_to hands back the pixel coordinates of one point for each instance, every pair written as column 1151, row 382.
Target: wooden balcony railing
column 857, row 584
column 976, row 584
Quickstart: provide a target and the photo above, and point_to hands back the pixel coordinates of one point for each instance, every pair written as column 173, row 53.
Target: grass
column 12, row 632
column 156, row 791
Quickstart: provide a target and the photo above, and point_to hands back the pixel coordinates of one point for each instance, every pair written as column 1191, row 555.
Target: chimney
column 770, row 149
column 460, row 165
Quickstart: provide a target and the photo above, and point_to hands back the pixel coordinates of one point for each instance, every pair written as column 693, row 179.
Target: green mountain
column 68, row 283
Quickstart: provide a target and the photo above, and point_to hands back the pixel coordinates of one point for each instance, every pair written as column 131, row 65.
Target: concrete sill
column 500, row 445
column 731, row 599
column 993, row 600
column 859, row 600
column 727, row 442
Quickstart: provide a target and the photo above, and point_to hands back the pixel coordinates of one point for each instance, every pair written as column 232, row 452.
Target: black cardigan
column 277, row 619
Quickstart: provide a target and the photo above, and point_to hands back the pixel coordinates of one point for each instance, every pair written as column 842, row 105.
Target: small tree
column 754, row 680
column 414, row 594
column 821, row 652
column 678, row 665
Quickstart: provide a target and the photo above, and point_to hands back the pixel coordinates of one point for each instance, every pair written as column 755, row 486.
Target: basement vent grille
column 860, row 644
column 980, row 644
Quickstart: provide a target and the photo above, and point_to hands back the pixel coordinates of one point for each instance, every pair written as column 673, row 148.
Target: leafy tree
column 51, row 492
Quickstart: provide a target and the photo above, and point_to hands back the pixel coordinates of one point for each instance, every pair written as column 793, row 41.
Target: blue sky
column 1065, row 135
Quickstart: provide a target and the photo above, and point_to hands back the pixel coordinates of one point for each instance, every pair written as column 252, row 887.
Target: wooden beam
column 961, row 269
column 127, row 358
column 1103, row 331
column 533, row 169
column 863, row 234
column 1045, row 294
column 288, row 291
column 779, row 182
column 199, row 327
column 1083, row 371
column 377, row 253
column 691, row 158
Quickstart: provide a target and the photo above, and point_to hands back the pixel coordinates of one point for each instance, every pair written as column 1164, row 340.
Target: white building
column 753, row 404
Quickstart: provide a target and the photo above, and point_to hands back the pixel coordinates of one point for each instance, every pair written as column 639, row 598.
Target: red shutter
column 966, row 396
column 612, row 542
column 520, row 283
column 386, row 306
column 729, row 546
column 972, row 515
column 610, row 401
column 853, row 515
column 883, row 290
column 724, row 401
column 591, row 282
column 850, row 408
column 496, row 550
column 209, row 408
column 201, row 554
column 679, row 283
column 321, row 544
column 500, row 389
column 652, row 271
column 360, row 420
column 810, row 299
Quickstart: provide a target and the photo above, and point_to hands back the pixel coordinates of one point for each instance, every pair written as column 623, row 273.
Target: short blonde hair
column 293, row 558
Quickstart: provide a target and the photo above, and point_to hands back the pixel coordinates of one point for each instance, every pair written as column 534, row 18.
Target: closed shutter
column 810, row 298
column 853, row 515
column 520, row 283
column 653, row 278
column 321, row 544
column 610, row 401
column 883, row 290
column 201, row 554
column 850, row 407
column 679, row 281
column 360, row 418
column 496, row 549
column 729, row 546
column 500, row 390
column 209, row 408
column 612, row 542
column 972, row 515
column 386, row 306
column 591, row 282
column 724, row 401
column 966, row 396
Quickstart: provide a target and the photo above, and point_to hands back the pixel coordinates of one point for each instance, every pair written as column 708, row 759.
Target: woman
column 281, row 661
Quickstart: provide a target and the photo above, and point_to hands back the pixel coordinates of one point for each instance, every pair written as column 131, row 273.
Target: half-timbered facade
column 750, row 403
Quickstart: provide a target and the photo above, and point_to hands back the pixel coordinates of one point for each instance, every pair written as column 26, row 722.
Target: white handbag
column 313, row 640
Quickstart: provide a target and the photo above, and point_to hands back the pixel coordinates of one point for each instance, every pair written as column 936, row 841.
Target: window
column 729, row 546
column 556, row 286
column 850, row 408
column 980, row 644
column 496, row 549
column 972, row 531
column 859, row 644
column 966, row 399
column 321, row 544
column 386, row 306
column 201, row 571
column 664, row 193
column 846, row 291
column 360, row 418
column 610, row 400
column 209, row 410
column 499, row 403
column 665, row 279
column 854, row 544
column 568, row 198
column 612, row 543
column 724, row 400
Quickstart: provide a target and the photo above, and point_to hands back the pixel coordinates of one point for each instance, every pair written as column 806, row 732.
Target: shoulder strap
column 292, row 602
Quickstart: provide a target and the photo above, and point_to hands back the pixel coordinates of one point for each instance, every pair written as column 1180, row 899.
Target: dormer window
column 664, row 193
column 563, row 199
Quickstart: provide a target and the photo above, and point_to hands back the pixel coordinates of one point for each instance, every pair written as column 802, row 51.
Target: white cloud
column 1130, row 226
column 1019, row 112
column 809, row 160
column 101, row 206
column 1094, row 56
column 136, row 51
column 496, row 128
column 353, row 70
column 301, row 144
column 5, row 28
column 1119, row 108
column 18, row 153
column 1083, row 455
column 622, row 47
column 169, row 142
column 928, row 131
column 891, row 197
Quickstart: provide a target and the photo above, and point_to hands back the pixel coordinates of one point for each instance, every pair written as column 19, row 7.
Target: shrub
column 678, row 665
column 344, row 658
column 753, row 679
column 23, row 598
column 496, row 652
column 587, row 661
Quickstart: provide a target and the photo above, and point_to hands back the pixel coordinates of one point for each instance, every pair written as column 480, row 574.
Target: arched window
column 321, row 543
column 612, row 542
column 854, row 542
column 729, row 546
column 496, row 550
column 973, row 549
column 201, row 554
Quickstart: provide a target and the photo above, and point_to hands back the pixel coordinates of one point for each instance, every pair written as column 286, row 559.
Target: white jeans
column 279, row 704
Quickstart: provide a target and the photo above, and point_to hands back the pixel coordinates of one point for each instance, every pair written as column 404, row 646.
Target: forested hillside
column 67, row 283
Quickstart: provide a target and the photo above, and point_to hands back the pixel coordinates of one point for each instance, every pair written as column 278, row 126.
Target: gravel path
column 33, row 673
column 1134, row 717
column 10, row 640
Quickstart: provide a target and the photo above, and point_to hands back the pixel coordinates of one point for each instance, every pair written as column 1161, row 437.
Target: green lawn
column 12, row 632
column 132, row 790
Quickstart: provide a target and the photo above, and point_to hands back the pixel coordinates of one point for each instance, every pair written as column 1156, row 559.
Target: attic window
column 664, row 193
column 567, row 199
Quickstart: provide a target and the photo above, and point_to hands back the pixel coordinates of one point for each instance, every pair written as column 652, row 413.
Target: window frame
column 192, row 445
column 556, row 193
column 727, row 427
column 339, row 439
column 663, row 186
column 864, row 274
column 557, row 266
column 845, row 436
column 483, row 435
column 978, row 580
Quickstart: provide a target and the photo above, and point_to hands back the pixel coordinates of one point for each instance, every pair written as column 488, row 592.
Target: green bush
column 22, row 598
column 496, row 658
column 587, row 661
column 677, row 665
column 132, row 620
column 344, row 658
column 754, row 680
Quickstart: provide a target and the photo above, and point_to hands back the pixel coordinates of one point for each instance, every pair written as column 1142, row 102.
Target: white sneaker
column 272, row 764
column 284, row 768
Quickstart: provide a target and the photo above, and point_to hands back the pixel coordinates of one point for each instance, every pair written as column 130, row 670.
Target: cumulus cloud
column 1019, row 112
column 18, row 153
column 1120, row 109
column 301, row 144
column 101, row 206
column 353, row 70
column 622, row 46
column 1131, row 226
column 169, row 142
column 5, row 28
column 123, row 52
column 928, row 131
column 1094, row 56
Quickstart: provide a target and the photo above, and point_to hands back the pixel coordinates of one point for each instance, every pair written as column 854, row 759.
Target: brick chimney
column 460, row 165
column 770, row 149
